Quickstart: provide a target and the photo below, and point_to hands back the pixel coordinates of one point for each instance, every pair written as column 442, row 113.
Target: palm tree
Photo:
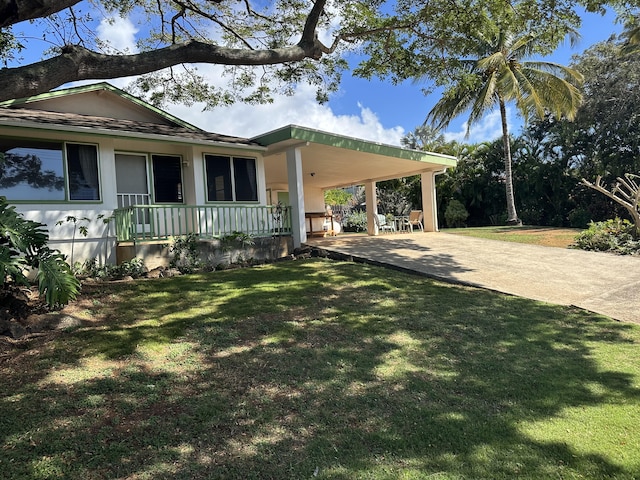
column 499, row 74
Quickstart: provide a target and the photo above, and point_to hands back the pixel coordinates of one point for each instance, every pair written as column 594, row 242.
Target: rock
column 306, row 250
column 16, row 330
column 127, row 278
column 5, row 325
column 157, row 272
column 67, row 322
column 172, row 272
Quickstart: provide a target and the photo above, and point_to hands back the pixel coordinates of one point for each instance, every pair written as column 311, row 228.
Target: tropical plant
column 23, row 245
column 186, row 255
column 496, row 73
column 614, row 235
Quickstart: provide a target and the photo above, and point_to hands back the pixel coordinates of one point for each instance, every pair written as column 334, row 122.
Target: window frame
column 152, row 175
column 232, row 168
column 25, row 141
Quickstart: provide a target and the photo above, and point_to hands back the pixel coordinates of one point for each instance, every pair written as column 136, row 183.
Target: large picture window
column 231, row 179
column 35, row 171
column 167, row 178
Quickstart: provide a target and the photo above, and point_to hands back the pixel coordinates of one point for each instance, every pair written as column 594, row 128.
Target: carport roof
column 340, row 161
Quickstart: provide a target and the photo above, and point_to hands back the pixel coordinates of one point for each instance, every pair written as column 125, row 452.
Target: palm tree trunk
column 512, row 216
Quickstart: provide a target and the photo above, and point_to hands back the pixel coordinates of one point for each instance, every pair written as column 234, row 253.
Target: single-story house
column 94, row 152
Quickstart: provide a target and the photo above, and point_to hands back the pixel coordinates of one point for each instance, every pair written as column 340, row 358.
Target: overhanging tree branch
column 12, row 11
column 78, row 63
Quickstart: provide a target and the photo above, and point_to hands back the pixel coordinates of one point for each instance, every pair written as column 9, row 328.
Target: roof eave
column 304, row 134
column 94, row 88
column 129, row 135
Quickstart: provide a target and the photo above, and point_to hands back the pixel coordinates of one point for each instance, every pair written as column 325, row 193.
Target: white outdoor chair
column 383, row 225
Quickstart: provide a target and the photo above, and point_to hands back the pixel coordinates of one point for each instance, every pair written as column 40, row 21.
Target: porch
column 159, row 223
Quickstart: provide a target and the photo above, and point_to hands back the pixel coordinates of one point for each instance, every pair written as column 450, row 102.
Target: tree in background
column 337, row 196
column 496, row 74
column 603, row 139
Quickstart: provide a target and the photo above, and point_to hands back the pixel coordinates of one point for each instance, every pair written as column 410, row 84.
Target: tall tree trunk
column 512, row 216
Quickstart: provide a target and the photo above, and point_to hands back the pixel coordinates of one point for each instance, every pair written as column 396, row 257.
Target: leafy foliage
column 23, row 245
column 132, row 268
column 186, row 257
column 337, row 196
column 455, row 214
column 355, row 222
column 613, row 235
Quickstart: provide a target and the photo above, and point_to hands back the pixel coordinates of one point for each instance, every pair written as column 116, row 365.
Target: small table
column 311, row 216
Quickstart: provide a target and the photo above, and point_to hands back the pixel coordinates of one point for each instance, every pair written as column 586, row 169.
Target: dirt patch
column 548, row 237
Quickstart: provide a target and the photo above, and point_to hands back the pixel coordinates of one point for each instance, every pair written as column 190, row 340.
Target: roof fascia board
column 436, row 168
column 131, row 135
column 302, row 134
column 94, row 88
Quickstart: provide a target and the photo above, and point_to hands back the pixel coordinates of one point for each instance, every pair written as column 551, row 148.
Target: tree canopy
column 282, row 37
column 263, row 46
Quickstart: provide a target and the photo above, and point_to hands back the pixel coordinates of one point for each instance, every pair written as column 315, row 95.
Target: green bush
column 133, row 268
column 186, row 257
column 355, row 222
column 614, row 235
column 23, row 246
column 455, row 215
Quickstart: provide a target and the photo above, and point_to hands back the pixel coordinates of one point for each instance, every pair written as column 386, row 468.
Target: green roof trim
column 303, row 134
column 93, row 88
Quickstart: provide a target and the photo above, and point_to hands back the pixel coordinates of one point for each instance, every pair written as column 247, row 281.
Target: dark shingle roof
column 114, row 126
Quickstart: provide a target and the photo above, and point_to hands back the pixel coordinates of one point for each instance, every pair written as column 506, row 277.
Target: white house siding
column 100, row 241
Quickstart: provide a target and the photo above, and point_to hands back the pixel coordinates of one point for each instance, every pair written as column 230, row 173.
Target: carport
column 304, row 162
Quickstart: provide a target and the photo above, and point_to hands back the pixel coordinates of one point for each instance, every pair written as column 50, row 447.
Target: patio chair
column 383, row 225
column 415, row 220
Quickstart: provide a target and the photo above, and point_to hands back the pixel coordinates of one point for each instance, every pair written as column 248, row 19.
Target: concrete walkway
column 599, row 282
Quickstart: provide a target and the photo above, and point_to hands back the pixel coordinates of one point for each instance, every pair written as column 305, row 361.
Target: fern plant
column 23, row 245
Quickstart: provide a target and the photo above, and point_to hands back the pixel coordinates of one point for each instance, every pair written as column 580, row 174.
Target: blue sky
column 406, row 106
column 376, row 110
column 373, row 110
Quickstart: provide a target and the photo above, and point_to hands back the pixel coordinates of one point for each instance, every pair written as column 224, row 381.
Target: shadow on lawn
column 350, row 371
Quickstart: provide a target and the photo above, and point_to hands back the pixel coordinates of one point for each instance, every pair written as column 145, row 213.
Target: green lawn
column 546, row 236
column 320, row 369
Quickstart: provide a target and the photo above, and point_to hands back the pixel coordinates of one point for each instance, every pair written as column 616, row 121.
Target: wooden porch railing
column 146, row 223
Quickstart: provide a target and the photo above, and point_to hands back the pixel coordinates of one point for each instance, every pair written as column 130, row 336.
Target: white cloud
column 299, row 109
column 118, row 33
column 249, row 120
column 487, row 129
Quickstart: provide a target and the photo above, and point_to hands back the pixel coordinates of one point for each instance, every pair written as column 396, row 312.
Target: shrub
column 455, row 215
column 186, row 257
column 133, row 268
column 355, row 222
column 614, row 235
column 23, row 245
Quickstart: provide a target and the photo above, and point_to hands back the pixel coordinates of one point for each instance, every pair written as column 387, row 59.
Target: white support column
column 429, row 203
column 371, row 200
column 296, row 196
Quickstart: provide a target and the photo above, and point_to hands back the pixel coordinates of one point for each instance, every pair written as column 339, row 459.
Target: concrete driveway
column 599, row 282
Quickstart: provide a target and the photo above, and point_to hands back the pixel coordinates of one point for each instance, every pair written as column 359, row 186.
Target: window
column 82, row 165
column 167, row 178
column 231, row 179
column 35, row 171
